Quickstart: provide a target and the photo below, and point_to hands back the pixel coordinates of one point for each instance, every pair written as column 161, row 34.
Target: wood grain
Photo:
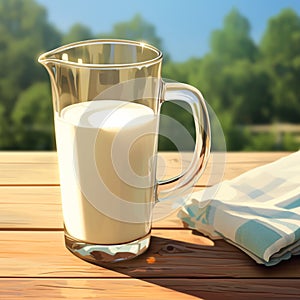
column 30, row 207
column 41, row 168
column 16, row 157
column 87, row 289
column 172, row 254
column 110, row 289
column 37, row 207
column 220, row 288
column 180, row 264
column 29, row 157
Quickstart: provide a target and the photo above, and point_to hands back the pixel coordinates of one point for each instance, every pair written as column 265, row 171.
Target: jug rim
column 47, row 57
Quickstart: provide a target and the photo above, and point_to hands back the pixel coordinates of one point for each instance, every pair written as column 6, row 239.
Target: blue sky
column 184, row 25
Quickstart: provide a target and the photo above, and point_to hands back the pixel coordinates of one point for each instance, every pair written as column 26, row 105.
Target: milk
column 107, row 168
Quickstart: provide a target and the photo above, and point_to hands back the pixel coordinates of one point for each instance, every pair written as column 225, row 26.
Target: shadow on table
column 203, row 269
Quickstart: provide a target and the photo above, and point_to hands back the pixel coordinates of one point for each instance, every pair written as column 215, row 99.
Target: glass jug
column 107, row 96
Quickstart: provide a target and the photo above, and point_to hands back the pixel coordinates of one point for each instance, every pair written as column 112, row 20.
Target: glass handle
column 185, row 181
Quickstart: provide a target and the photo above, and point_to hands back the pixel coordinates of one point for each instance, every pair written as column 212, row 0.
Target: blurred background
column 243, row 55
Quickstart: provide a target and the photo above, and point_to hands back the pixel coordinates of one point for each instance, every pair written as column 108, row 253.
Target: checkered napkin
column 259, row 211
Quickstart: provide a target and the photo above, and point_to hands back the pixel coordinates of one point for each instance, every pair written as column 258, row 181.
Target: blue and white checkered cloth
column 259, row 211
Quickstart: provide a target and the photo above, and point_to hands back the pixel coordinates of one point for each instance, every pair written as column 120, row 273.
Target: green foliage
column 280, row 51
column 246, row 90
column 281, row 41
column 262, row 142
column 77, row 32
column 290, row 143
column 181, row 72
column 244, row 83
column 24, row 33
column 4, row 129
column 233, row 41
column 136, row 29
column 177, row 130
column 33, row 118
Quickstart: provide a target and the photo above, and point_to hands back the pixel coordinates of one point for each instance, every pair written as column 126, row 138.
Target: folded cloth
column 259, row 211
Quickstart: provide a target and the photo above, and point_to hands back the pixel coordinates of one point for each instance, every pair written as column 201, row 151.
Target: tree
column 280, row 43
column 4, row 129
column 233, row 41
column 77, row 32
column 247, row 93
column 243, row 83
column 231, row 47
column 181, row 72
column 136, row 29
column 232, row 82
column 33, row 118
column 24, row 34
column 280, row 47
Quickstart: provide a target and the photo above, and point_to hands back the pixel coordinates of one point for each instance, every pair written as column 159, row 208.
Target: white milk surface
column 106, row 158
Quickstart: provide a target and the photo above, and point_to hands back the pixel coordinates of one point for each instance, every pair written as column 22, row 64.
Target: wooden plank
column 51, row 156
column 35, row 264
column 28, row 157
column 172, row 253
column 42, row 204
column 221, row 166
column 161, row 288
column 40, row 208
column 255, row 157
column 42, row 254
column 87, row 289
column 30, row 207
column 223, row 289
column 236, row 157
column 47, row 174
column 41, row 168
column 29, row 174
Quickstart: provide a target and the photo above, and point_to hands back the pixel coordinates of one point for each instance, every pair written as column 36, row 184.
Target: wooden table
column 179, row 264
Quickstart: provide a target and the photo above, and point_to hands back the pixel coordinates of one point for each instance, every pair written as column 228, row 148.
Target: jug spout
column 54, row 59
column 48, row 63
column 44, row 59
column 100, row 69
column 69, row 77
column 73, row 79
column 51, row 64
